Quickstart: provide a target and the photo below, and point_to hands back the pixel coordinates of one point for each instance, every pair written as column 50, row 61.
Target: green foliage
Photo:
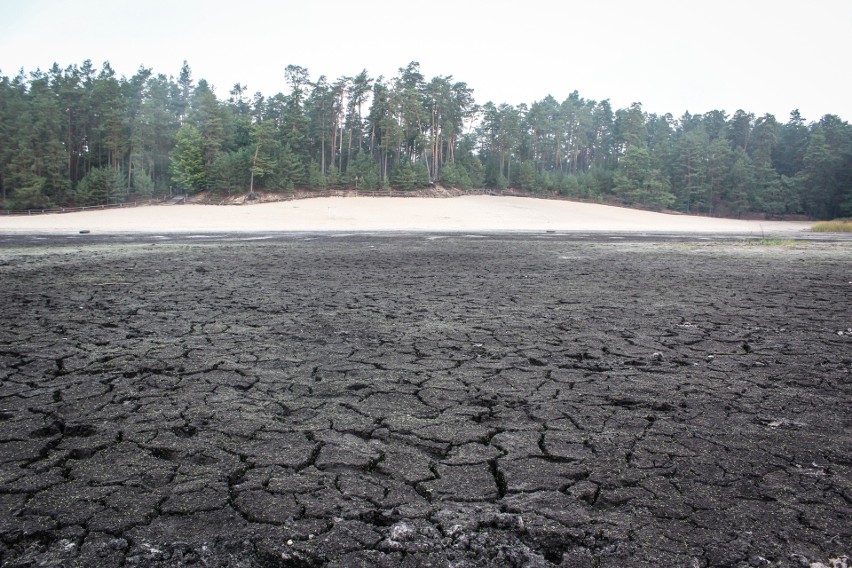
column 143, row 185
column 101, row 186
column 421, row 175
column 655, row 192
column 526, row 176
column 493, row 176
column 29, row 197
column 456, row 175
column 290, row 171
column 771, row 242
column 826, row 175
column 316, row 179
column 407, row 176
column 333, row 180
column 363, row 173
column 474, row 169
column 230, row 172
column 568, row 186
column 637, row 182
column 739, row 182
column 58, row 127
column 188, row 169
column 788, row 155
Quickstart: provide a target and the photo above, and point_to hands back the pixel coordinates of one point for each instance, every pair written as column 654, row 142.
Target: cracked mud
column 414, row 401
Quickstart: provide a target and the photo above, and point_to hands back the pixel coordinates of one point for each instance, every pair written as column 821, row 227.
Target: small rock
column 401, row 532
column 657, row 356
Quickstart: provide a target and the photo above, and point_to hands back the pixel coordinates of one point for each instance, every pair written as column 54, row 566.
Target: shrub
column 101, row 186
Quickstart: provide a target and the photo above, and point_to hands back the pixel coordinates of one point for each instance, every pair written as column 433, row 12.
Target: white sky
column 672, row 56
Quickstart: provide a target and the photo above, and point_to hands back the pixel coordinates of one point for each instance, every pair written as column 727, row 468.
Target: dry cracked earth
column 416, row 400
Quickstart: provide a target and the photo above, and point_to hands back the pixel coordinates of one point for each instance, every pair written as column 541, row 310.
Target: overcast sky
column 672, row 56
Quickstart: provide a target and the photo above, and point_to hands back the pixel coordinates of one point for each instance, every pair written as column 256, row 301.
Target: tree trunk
column 349, row 151
column 322, row 159
column 340, row 150
column 384, row 166
column 333, row 143
column 70, row 148
column 253, row 166
column 129, row 168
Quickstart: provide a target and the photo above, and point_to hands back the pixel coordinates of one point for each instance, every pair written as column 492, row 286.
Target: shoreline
column 452, row 214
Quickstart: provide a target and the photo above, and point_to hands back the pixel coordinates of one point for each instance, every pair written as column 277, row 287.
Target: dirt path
column 416, row 400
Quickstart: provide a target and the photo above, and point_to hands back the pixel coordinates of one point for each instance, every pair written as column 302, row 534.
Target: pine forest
column 84, row 136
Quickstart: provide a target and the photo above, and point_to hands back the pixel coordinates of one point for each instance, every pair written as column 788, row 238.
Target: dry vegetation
column 835, row 226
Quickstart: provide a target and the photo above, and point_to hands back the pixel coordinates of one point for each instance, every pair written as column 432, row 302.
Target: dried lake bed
column 424, row 399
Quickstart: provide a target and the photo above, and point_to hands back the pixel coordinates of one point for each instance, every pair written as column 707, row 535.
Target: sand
column 467, row 213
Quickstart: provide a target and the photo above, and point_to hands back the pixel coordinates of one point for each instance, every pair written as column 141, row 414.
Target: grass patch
column 836, row 226
column 771, row 242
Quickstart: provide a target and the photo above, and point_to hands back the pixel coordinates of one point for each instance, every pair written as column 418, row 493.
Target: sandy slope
column 468, row 213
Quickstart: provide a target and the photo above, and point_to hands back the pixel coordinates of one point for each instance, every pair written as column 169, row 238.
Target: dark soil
column 407, row 400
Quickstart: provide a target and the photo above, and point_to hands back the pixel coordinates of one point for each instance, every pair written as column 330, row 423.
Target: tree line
column 84, row 136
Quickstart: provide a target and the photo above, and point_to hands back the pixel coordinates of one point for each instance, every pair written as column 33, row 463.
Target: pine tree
column 188, row 170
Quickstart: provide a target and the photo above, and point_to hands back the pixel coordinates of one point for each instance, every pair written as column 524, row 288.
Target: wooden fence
column 76, row 209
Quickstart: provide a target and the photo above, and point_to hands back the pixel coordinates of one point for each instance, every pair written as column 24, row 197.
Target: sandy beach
column 467, row 213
